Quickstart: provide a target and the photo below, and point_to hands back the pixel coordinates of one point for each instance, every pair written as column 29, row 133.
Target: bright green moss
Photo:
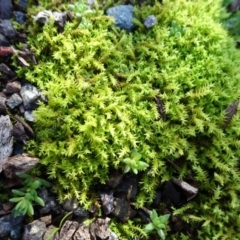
column 101, row 84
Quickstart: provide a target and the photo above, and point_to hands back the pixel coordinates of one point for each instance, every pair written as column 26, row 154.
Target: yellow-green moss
column 101, row 83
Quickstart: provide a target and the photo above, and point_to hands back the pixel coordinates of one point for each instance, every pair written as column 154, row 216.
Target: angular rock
column 107, row 202
column 8, row 223
column 15, row 234
column 19, row 164
column 29, row 94
column 123, row 16
column 68, row 229
column 34, row 230
column 25, row 125
column 14, row 101
column 46, row 219
column 5, row 9
column 13, row 87
column 6, row 139
column 6, row 28
column 6, row 70
column 82, row 233
column 150, row 21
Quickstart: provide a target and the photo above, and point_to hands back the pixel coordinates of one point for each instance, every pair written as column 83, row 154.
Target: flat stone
column 123, row 16
column 100, row 229
column 14, row 101
column 6, row 70
column 19, row 164
column 19, row 133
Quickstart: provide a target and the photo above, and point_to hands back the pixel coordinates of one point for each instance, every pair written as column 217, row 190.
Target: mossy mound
column 103, row 84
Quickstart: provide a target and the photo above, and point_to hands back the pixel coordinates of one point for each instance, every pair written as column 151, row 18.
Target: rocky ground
column 18, row 99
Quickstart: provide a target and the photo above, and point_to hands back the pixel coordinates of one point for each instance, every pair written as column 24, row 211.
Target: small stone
column 70, row 205
column 123, row 16
column 49, row 233
column 150, row 21
column 6, row 28
column 28, row 115
column 29, row 94
column 107, row 202
column 14, row 101
column 100, row 229
column 13, row 87
column 113, row 236
column 20, row 17
column 34, row 230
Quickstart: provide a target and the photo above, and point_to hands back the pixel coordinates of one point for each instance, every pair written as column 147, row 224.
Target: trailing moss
column 102, row 86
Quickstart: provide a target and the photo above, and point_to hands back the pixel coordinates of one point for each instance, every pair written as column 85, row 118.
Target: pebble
column 123, row 15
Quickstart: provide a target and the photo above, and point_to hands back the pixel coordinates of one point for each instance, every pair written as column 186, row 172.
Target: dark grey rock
column 80, row 212
column 2, row 104
column 123, row 15
column 6, row 28
column 20, row 17
column 6, row 70
column 5, row 9
column 3, row 41
column 14, row 101
column 107, row 202
column 29, row 94
column 34, row 230
column 150, row 21
column 8, row 223
column 70, row 205
column 28, row 115
column 19, row 132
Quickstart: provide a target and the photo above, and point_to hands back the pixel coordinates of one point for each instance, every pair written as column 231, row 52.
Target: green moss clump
column 102, row 84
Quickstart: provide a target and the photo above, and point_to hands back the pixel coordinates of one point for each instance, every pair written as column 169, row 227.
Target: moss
column 102, row 84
